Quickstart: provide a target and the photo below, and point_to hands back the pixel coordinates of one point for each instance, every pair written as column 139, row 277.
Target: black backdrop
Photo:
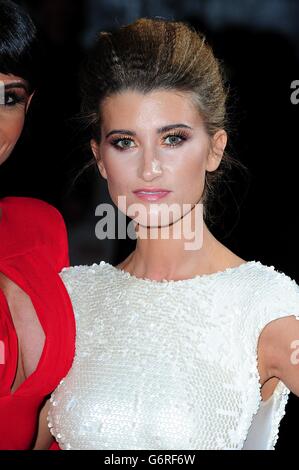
column 257, row 216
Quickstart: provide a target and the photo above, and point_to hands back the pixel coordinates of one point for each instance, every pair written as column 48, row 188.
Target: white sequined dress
column 170, row 364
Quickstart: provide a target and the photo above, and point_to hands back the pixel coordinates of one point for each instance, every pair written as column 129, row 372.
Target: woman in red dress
column 37, row 328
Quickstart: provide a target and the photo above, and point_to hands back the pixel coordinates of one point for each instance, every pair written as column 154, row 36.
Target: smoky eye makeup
column 117, row 140
column 15, row 94
column 179, row 134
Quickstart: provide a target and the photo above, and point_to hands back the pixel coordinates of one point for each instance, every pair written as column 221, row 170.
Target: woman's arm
column 281, row 350
column 44, row 438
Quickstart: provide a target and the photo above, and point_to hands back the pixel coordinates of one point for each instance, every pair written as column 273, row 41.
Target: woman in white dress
column 180, row 346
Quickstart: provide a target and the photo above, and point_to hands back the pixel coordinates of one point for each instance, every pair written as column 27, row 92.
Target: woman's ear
column 96, row 153
column 217, row 147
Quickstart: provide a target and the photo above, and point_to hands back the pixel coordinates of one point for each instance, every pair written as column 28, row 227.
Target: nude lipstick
column 151, row 194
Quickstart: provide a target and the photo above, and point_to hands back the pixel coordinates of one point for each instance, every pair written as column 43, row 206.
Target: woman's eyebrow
column 7, row 86
column 159, row 130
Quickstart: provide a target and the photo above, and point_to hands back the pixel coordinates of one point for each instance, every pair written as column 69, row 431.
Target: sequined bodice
column 167, row 364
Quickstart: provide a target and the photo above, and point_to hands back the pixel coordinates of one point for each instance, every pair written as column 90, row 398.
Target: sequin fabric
column 168, row 364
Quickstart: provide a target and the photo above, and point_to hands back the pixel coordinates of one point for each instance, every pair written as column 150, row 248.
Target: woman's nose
column 151, row 167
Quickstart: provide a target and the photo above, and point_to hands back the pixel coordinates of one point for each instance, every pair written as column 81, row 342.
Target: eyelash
column 182, row 135
column 17, row 99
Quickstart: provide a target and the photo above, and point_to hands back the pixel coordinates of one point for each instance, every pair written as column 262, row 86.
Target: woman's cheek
column 118, row 175
column 10, row 130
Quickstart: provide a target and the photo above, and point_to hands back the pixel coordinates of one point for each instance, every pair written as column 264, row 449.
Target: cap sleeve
column 274, row 295
column 270, row 295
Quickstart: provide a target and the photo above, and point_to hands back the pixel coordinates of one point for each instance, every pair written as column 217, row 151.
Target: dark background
column 258, row 42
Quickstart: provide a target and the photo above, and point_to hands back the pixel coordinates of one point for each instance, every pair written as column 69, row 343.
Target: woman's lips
column 151, row 195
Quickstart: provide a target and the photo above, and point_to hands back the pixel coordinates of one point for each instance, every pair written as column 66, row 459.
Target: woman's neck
column 171, row 258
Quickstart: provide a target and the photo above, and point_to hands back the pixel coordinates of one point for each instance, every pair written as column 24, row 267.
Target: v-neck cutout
column 6, row 271
column 28, row 379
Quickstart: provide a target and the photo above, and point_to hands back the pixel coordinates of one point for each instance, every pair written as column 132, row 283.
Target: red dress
column 33, row 250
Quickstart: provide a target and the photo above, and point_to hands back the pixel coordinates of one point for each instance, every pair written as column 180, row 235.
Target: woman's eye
column 174, row 139
column 11, row 99
column 125, row 143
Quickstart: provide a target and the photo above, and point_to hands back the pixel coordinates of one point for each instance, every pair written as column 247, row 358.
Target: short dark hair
column 19, row 43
